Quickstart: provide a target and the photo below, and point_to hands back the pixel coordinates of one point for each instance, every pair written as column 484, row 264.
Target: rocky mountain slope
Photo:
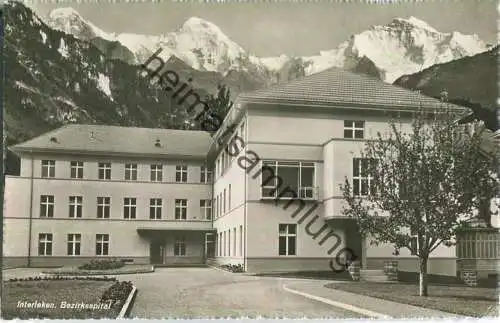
column 403, row 46
column 54, row 78
column 472, row 78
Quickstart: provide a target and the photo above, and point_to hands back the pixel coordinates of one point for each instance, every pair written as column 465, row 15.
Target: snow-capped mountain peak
column 70, row 21
column 417, row 23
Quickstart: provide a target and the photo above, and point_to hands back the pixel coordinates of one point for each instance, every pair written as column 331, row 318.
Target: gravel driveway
column 207, row 292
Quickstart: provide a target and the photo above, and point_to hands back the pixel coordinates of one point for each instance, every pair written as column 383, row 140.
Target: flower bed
column 75, row 271
column 102, row 264
column 118, row 293
column 233, row 268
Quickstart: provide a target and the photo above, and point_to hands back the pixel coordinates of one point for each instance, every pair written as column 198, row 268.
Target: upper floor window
column 206, row 209
column 74, row 241
column 47, row 206
column 362, row 179
column 156, row 172
column 130, row 172
column 48, row 168
column 205, row 175
column 75, row 206
column 104, row 170
column 155, row 208
column 354, row 129
column 224, row 203
column 181, row 173
column 229, row 198
column 76, row 169
column 180, row 209
column 296, row 177
column 103, row 207
column 45, row 244
column 101, row 244
column 129, row 207
column 287, row 239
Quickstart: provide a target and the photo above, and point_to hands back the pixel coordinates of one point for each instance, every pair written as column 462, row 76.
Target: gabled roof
column 120, row 140
column 338, row 87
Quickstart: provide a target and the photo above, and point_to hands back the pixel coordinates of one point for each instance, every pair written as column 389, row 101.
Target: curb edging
column 128, row 303
column 344, row 306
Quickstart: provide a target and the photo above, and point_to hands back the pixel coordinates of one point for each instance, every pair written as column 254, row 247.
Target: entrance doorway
column 209, row 246
column 157, row 252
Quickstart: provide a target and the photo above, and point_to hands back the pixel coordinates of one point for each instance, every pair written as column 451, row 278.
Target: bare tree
column 426, row 184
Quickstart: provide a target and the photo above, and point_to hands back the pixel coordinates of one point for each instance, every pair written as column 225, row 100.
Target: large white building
column 177, row 197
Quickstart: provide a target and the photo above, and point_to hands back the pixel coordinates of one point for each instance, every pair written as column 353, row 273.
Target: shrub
column 102, row 264
column 117, row 293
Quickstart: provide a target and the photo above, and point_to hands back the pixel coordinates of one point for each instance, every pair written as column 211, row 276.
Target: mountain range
column 403, row 46
column 63, row 69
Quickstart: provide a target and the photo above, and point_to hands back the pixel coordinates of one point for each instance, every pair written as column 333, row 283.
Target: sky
column 271, row 28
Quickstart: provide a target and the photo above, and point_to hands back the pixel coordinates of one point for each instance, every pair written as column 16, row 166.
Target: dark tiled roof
column 121, row 140
column 337, row 87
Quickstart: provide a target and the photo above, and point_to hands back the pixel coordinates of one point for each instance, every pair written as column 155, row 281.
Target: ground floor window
column 45, row 244
column 74, row 241
column 180, row 246
column 102, row 244
column 287, row 239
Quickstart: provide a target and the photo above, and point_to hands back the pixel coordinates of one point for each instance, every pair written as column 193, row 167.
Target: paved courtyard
column 207, row 292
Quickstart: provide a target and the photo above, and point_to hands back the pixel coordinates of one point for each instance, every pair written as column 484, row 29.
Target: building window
column 104, row 170
column 224, row 202
column 101, row 244
column 220, row 204
column 75, row 206
column 234, row 242
column 45, row 244
column 206, row 209
column 296, row 177
column 181, row 173
column 241, row 240
column 218, row 167
column 180, row 246
column 217, row 207
column 76, row 169
column 224, row 242
column 74, row 241
column 129, row 207
column 130, row 172
column 229, row 198
column 362, row 179
column 220, row 244
column 354, row 129
column 47, row 206
column 103, row 207
column 156, row 172
column 229, row 242
column 48, row 168
column 180, row 209
column 205, row 175
column 287, row 239
column 155, row 208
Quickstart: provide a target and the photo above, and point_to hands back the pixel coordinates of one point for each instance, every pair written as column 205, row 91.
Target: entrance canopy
column 151, row 230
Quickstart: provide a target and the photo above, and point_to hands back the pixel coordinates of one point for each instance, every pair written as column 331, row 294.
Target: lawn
column 55, row 292
column 463, row 300
column 127, row 269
